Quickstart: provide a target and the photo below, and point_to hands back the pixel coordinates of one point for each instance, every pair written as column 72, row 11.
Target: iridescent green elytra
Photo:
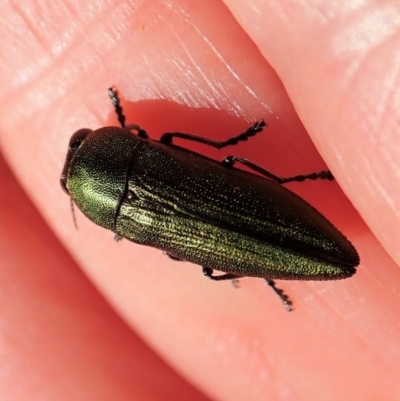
column 199, row 210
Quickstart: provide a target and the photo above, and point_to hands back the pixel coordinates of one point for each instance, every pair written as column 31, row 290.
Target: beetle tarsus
column 113, row 94
column 322, row 175
column 257, row 127
column 230, row 161
column 285, row 299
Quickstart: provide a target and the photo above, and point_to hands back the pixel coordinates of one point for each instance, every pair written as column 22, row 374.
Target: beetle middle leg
column 257, row 127
column 322, row 175
column 172, row 256
column 208, row 272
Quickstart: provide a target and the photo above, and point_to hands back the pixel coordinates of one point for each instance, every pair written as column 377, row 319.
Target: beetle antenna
column 73, row 214
column 285, row 299
column 113, row 94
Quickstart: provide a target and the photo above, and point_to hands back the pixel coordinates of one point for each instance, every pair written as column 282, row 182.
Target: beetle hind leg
column 322, row 175
column 230, row 161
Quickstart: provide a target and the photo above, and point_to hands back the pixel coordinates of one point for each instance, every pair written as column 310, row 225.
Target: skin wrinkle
column 68, row 34
column 183, row 96
column 218, row 54
column 344, row 44
column 383, row 105
column 280, row 366
column 238, row 110
column 376, row 121
column 348, row 7
column 334, row 313
column 153, row 88
column 249, row 354
column 27, row 74
column 30, row 26
column 45, row 73
column 391, row 83
column 202, row 74
column 353, row 77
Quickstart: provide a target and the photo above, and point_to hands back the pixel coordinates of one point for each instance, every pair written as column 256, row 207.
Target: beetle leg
column 140, row 131
column 208, row 272
column 172, row 257
column 322, row 175
column 253, row 130
column 236, row 283
column 285, row 299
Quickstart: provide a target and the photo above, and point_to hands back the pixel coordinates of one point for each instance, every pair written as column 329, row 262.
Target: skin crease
column 186, row 66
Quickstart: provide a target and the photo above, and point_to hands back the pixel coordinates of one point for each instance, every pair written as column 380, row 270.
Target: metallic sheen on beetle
column 196, row 209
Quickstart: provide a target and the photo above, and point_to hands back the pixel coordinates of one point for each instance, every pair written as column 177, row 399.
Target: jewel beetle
column 196, row 209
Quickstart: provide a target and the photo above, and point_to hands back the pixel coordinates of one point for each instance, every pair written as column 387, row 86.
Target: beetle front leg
column 322, row 175
column 208, row 272
column 113, row 95
column 172, row 256
column 140, row 131
column 253, row 130
column 115, row 100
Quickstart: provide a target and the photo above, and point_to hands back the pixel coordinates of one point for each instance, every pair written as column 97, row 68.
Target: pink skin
column 193, row 66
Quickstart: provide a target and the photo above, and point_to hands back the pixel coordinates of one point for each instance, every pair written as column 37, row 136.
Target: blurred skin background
column 84, row 317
